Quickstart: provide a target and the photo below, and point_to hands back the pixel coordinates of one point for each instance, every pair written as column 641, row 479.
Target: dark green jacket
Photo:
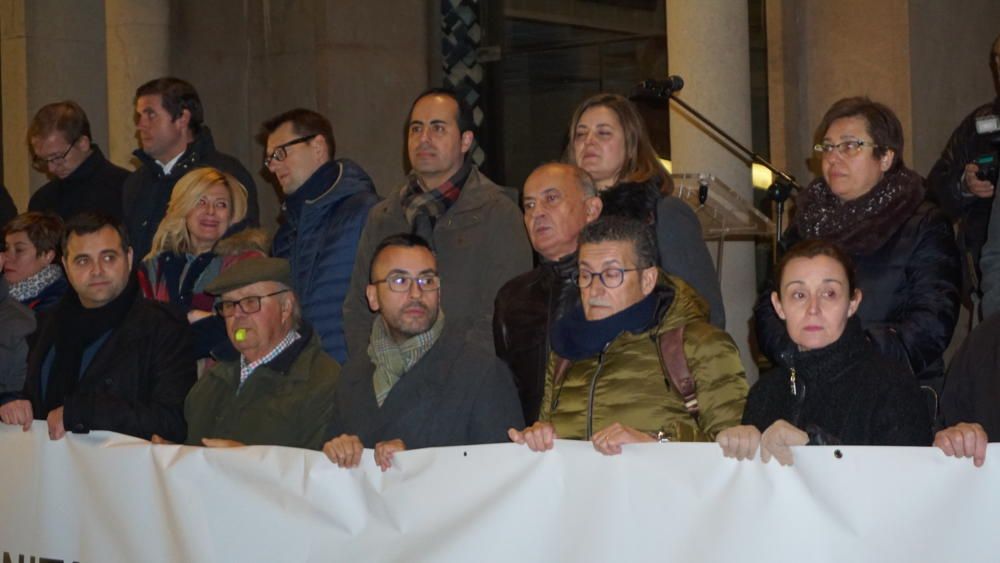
column 285, row 402
column 629, row 383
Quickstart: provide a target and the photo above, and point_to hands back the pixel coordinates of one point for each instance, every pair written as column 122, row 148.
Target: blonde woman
column 202, row 234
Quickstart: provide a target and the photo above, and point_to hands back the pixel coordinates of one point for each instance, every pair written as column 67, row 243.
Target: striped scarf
column 393, row 360
column 422, row 206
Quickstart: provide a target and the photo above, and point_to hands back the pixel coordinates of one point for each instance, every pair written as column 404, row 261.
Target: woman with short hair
column 31, row 260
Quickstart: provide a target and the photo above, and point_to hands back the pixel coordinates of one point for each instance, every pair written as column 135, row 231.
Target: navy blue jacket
column 322, row 223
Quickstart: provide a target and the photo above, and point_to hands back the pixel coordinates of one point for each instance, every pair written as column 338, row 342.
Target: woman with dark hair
column 31, row 260
column 873, row 207
column 608, row 139
column 836, row 387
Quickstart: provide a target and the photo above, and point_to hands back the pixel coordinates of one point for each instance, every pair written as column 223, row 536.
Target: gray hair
column 624, row 229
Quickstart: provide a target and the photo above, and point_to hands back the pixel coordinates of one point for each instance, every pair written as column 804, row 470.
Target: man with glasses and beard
column 81, row 178
column 279, row 391
column 425, row 381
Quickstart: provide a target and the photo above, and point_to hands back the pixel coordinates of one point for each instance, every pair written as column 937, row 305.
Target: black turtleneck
column 844, row 393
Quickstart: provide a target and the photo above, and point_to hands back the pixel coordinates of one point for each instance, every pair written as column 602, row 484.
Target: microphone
column 659, row 88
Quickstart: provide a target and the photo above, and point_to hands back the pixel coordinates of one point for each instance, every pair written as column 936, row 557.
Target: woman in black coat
column 837, row 388
column 608, row 139
column 903, row 247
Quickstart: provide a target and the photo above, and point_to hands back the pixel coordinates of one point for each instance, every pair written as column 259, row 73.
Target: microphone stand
column 783, row 184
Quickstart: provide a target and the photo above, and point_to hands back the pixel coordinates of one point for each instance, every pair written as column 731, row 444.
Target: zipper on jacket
column 593, row 387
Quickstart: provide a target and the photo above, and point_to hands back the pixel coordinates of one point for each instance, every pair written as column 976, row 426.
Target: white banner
column 106, row 497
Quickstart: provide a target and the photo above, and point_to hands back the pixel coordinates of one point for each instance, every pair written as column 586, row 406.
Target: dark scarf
column 423, row 206
column 861, row 226
column 78, row 329
column 634, row 200
column 575, row 338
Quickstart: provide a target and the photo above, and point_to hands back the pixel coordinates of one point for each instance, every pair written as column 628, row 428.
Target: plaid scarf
column 422, row 206
column 393, row 360
column 31, row 287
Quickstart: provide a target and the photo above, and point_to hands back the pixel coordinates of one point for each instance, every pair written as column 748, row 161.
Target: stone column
column 138, row 49
column 708, row 46
column 51, row 51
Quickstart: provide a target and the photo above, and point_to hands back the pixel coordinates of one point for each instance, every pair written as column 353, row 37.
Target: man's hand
column 976, row 187
column 161, row 441
column 56, row 428
column 221, row 443
column 740, row 442
column 777, row 439
column 384, row 451
column 539, row 437
column 344, row 450
column 963, row 440
column 610, row 440
column 17, row 412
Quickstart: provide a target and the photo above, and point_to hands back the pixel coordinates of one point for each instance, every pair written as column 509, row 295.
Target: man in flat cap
column 280, row 390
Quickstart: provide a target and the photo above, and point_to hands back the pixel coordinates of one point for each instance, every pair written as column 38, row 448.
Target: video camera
column 988, row 145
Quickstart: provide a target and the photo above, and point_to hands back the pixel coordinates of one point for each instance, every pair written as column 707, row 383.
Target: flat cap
column 251, row 270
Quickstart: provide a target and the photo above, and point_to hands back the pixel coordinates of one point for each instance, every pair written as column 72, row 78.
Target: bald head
column 559, row 200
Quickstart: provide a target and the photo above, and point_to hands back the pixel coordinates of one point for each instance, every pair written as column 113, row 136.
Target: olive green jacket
column 285, row 402
column 630, row 387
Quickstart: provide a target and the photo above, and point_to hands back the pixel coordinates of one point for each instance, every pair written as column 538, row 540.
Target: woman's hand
column 539, row 437
column 778, row 438
column 195, row 315
column 610, row 440
column 740, row 442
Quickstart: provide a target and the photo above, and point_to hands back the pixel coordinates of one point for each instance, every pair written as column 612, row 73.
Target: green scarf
column 393, row 360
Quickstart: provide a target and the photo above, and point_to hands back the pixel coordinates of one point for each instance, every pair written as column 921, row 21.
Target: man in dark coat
column 424, row 382
column 954, row 181
column 471, row 223
column 559, row 199
column 8, row 210
column 326, row 205
column 105, row 358
column 280, row 389
column 174, row 141
column 82, row 179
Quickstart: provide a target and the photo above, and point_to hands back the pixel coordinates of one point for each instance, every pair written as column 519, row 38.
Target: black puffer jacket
column 525, row 308
column 910, row 297
column 845, row 393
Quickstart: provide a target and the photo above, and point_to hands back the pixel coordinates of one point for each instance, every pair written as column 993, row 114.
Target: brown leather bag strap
column 675, row 368
column 562, row 366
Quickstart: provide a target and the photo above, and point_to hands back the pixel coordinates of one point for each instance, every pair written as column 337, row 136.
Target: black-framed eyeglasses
column 249, row 305
column 611, row 277
column 845, row 148
column 281, row 151
column 43, row 163
column 400, row 283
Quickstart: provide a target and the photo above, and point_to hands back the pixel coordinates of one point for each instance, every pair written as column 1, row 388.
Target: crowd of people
column 455, row 311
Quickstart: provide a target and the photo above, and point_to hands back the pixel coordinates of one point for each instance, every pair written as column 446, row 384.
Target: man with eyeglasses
column 638, row 359
column 169, row 121
column 425, row 380
column 82, row 179
column 105, row 358
column 559, row 200
column 280, row 389
column 327, row 201
column 471, row 223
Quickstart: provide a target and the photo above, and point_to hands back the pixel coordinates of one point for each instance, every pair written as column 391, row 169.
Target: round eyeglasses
column 610, row 278
column 401, row 284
